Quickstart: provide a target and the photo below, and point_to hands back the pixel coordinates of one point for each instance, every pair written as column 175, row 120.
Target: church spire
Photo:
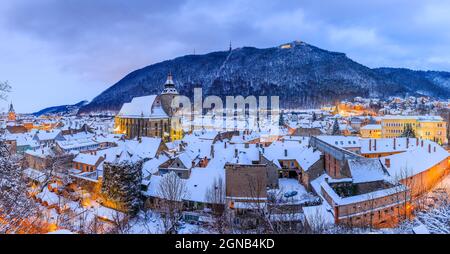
column 11, row 113
column 11, row 108
column 169, row 86
column 169, row 80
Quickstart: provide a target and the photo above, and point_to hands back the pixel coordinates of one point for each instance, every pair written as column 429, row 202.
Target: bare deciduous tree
column 59, row 164
column 121, row 223
column 172, row 191
column 5, row 88
column 215, row 195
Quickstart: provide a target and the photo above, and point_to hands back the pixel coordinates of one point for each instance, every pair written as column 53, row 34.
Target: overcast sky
column 60, row 52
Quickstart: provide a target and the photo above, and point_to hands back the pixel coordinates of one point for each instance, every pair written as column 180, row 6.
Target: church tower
column 168, row 95
column 11, row 113
column 169, row 86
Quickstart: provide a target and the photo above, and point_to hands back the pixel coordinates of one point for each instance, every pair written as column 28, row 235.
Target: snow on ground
column 151, row 223
column 290, row 186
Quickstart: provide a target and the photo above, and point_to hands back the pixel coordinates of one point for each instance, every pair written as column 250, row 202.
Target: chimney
column 212, row 151
column 407, row 143
column 375, row 146
column 235, row 153
column 429, row 148
column 370, row 144
column 225, row 144
column 387, row 162
column 285, row 153
column 395, row 143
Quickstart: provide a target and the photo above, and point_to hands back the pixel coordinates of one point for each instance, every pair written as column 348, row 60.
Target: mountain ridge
column 62, row 109
column 301, row 74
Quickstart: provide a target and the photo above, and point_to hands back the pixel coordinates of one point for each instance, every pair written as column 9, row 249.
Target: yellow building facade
column 371, row 131
column 150, row 116
column 11, row 113
column 425, row 127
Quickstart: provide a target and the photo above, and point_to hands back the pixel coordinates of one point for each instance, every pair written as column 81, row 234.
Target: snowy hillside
column 301, row 74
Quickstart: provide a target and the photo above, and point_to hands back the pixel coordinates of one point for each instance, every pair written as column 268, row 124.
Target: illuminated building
column 11, row 113
column 425, row 127
column 371, row 131
column 150, row 116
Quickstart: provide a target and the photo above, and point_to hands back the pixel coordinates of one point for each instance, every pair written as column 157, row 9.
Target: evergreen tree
column 16, row 208
column 335, row 129
column 122, row 183
column 314, row 117
column 372, row 120
column 281, row 121
column 408, row 132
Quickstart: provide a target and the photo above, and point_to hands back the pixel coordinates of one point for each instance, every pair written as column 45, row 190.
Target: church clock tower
column 11, row 113
column 168, row 94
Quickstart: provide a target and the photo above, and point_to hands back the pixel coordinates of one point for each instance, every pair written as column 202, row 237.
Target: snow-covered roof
column 308, row 157
column 362, row 197
column 276, row 151
column 418, row 118
column 143, row 107
column 201, row 180
column 415, row 161
column 386, row 145
column 41, row 153
column 151, row 166
column 341, row 141
column 87, row 159
column 296, row 150
column 371, row 127
column 153, row 189
column 365, row 170
column 35, row 175
column 79, row 136
column 108, row 213
column 127, row 157
column 110, row 154
column 48, row 196
column 244, row 138
column 73, row 144
column 200, row 134
column 146, row 147
column 345, row 127
column 22, row 139
column 44, row 136
column 108, row 138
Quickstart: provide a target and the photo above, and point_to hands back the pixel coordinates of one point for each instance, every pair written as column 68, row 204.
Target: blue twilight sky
column 58, row 52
